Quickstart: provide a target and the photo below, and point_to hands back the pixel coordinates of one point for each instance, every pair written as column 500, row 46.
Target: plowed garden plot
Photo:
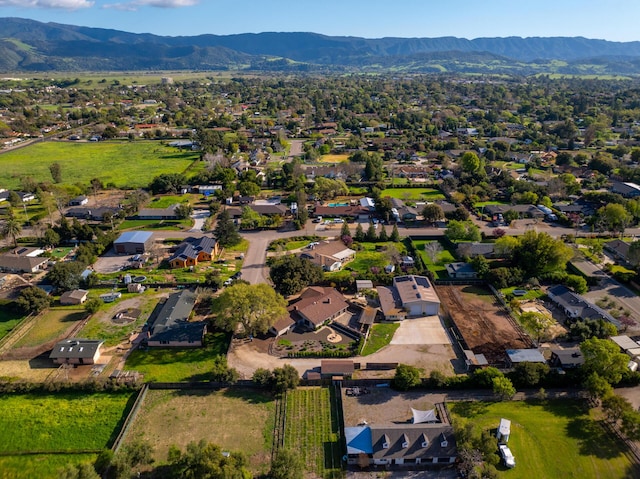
column 484, row 325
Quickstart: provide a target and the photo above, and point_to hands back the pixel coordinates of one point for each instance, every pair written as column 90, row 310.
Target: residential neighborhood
column 393, row 289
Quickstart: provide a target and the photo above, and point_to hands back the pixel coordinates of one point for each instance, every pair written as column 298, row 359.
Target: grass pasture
column 343, row 158
column 236, row 420
column 124, row 164
column 166, row 225
column 179, row 364
column 67, row 421
column 9, row 319
column 51, row 325
column 553, row 438
column 312, row 429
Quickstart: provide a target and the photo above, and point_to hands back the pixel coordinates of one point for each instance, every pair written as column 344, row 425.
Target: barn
column 133, row 242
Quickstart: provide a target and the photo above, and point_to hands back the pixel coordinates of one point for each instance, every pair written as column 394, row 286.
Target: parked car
column 507, row 456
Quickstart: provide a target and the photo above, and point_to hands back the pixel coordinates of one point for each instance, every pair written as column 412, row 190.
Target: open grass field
column 334, row 158
column 381, row 335
column 124, row 164
column 413, row 194
column 312, row 429
column 64, row 421
column 552, row 439
column 234, row 419
column 179, row 364
column 166, row 225
column 165, row 201
column 52, row 324
column 437, row 267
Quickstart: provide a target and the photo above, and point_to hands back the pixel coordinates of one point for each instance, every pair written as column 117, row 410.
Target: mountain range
column 29, row 46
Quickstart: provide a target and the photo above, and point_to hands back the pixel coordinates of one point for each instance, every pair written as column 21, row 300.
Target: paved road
column 296, row 148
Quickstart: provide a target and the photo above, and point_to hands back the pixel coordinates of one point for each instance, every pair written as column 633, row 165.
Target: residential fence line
column 129, row 420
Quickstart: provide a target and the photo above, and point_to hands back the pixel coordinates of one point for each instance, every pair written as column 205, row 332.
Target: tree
column 395, row 234
column 203, row 460
column 359, row 236
column 92, row 306
column 462, row 231
column 371, row 235
column 538, row 253
column 615, row 217
column 226, row 232
column 183, row 211
column 286, row 465
column 66, row 276
column 406, row 377
column 248, row 188
column 432, row 213
column 83, row 470
column 471, row 163
column 212, row 279
column 285, row 378
column 56, row 172
column 503, row 388
column 537, row 324
column 255, row 307
column 529, row 374
column 603, row 357
column 14, row 199
column 345, row 231
column 51, row 238
column 167, row 183
column 433, row 250
column 33, row 300
column 290, row 274
column 374, row 168
column 251, row 219
column 615, row 407
column 11, row 227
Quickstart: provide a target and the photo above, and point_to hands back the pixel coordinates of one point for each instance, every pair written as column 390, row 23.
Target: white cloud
column 136, row 4
column 62, row 4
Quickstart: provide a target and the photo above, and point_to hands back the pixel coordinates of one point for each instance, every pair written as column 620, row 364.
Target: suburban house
column 575, row 306
column 16, row 263
column 331, row 255
column 193, row 251
column 626, row 189
column 76, row 351
column 168, row 213
column 93, row 214
column 390, row 304
column 171, row 326
column 77, row 296
column 618, row 248
column 317, row 306
column 523, row 211
column 461, row 271
column 402, row 212
column 133, row 242
column 401, row 444
column 357, row 212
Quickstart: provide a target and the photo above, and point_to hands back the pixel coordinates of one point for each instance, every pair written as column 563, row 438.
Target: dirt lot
column 483, row 324
column 386, row 406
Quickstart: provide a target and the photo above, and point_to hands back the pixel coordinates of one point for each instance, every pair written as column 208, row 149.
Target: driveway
column 428, row 330
column 199, row 218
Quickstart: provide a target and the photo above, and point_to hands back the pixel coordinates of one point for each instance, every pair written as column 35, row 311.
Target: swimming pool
column 333, row 205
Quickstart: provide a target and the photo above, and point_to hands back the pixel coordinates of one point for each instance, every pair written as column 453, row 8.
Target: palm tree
column 11, row 227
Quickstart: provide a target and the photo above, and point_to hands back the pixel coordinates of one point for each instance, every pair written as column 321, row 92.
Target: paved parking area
column 111, row 262
column 427, row 330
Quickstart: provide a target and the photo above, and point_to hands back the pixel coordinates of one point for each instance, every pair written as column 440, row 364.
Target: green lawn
column 552, row 439
column 372, row 255
column 429, row 194
column 312, row 429
column 179, row 364
column 165, row 201
column 437, row 268
column 380, row 335
column 531, row 293
column 122, row 163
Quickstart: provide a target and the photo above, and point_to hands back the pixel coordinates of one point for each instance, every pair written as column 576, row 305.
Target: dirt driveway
column 428, row 330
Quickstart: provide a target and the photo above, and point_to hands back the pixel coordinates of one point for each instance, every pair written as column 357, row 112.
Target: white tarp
column 424, row 416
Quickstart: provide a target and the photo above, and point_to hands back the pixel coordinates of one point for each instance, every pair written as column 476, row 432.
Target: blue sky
column 614, row 20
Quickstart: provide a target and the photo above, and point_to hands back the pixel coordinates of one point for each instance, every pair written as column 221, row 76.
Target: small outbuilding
column 504, row 430
column 76, row 351
column 77, row 296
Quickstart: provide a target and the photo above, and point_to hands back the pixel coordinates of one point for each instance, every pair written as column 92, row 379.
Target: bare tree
column 433, row 250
